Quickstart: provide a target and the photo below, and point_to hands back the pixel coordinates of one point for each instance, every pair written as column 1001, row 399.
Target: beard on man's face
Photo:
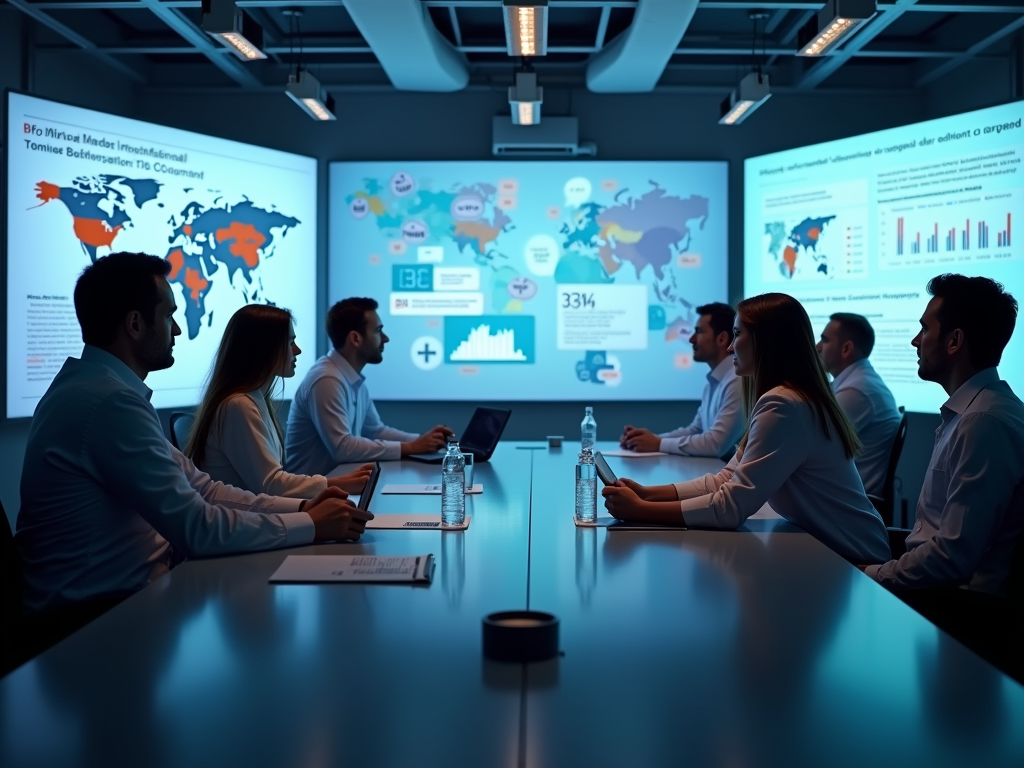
column 155, row 353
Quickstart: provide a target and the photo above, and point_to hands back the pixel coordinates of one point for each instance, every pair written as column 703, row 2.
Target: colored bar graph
column 899, row 236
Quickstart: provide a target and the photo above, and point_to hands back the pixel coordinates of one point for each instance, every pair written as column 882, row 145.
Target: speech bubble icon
column 542, row 254
column 402, row 184
column 467, row 208
column 414, row 231
column 359, row 207
column 522, row 288
column 577, row 192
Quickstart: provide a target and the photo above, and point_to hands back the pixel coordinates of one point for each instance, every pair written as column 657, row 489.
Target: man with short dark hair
column 719, row 422
column 971, row 510
column 107, row 504
column 332, row 419
column 845, row 345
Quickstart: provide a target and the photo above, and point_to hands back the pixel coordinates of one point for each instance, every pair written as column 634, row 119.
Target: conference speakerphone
column 480, row 437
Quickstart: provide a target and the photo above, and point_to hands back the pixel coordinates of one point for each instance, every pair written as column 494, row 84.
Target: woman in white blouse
column 236, row 437
column 797, row 452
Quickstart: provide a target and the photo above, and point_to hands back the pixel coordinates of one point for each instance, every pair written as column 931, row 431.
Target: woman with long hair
column 797, row 452
column 236, row 437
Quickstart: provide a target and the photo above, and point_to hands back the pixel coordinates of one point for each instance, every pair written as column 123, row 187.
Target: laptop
column 480, row 437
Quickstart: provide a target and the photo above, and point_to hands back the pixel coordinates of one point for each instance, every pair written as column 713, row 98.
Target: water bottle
column 453, row 485
column 586, row 486
column 589, row 430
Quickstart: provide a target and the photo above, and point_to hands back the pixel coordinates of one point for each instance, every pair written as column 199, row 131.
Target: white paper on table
column 633, row 454
column 326, row 568
column 426, row 490
column 419, row 522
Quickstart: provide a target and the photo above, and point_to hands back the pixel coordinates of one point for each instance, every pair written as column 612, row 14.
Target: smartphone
column 603, row 470
column 370, row 487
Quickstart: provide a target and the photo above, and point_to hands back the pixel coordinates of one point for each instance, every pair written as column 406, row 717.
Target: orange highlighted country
column 177, row 260
column 46, row 191
column 95, row 232
column 789, row 256
column 247, row 241
column 196, row 282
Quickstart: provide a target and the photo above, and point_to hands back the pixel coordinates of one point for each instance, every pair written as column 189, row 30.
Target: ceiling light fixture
column 526, row 27
column 751, row 92
column 835, row 22
column 306, row 91
column 233, row 28
column 525, row 97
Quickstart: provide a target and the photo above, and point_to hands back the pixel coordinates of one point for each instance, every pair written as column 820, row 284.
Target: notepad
column 413, row 523
column 634, row 454
column 426, row 490
column 314, row 569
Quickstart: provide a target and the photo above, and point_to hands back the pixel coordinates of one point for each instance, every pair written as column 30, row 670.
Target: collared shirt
column 719, row 424
column 243, row 449
column 108, row 505
column 971, row 510
column 871, row 408
column 805, row 476
column 333, row 420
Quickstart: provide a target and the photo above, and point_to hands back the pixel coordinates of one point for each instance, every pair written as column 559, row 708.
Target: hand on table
column 335, row 518
column 353, row 482
column 622, row 501
column 428, row 441
column 640, row 440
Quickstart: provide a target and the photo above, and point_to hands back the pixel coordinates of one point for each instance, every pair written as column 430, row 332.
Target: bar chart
column 978, row 229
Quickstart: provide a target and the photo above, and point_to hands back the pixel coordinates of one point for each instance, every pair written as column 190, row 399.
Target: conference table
column 755, row 647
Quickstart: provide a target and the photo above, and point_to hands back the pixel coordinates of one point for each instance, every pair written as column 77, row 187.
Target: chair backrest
column 10, row 572
column 889, row 487
column 181, row 423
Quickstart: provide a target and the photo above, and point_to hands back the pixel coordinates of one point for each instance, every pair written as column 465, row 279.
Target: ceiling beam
column 602, row 27
column 456, row 29
column 830, row 64
column 970, row 53
column 70, row 35
column 229, row 65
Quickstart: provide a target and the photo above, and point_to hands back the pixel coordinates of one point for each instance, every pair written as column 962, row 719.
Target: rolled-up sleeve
column 722, row 434
column 773, row 451
column 985, row 460
column 334, row 426
column 208, row 519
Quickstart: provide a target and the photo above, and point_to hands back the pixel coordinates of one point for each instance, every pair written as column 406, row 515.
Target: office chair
column 181, row 423
column 887, row 501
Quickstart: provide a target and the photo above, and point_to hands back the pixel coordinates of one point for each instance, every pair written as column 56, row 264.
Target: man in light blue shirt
column 970, row 514
column 845, row 346
column 107, row 504
column 719, row 422
column 332, row 419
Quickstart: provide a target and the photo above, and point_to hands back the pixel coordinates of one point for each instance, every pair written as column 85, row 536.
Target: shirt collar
column 351, row 375
column 962, row 398
column 845, row 373
column 720, row 371
column 91, row 354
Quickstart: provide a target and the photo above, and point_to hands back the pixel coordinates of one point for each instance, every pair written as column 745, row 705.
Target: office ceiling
column 158, row 43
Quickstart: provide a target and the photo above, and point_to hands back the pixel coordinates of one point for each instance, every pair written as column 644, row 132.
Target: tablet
column 368, row 489
column 603, row 470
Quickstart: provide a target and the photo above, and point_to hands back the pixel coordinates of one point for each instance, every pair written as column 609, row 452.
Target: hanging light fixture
column 526, row 27
column 233, row 28
column 304, row 89
column 833, row 23
column 753, row 89
column 525, row 98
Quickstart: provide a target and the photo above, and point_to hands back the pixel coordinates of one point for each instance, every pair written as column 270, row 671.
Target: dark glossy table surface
column 752, row 648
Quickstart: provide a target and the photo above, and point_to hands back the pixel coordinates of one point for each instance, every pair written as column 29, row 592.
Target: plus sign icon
column 427, row 353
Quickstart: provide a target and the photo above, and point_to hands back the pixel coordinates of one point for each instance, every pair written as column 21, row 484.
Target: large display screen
column 236, row 222
column 532, row 280
column 861, row 225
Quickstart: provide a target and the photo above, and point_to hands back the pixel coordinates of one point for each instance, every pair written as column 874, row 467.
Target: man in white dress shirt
column 333, row 419
column 719, row 422
column 107, row 504
column 845, row 346
column 970, row 514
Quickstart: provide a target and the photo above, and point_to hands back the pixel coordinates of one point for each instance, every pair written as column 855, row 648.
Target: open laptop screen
column 484, row 430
